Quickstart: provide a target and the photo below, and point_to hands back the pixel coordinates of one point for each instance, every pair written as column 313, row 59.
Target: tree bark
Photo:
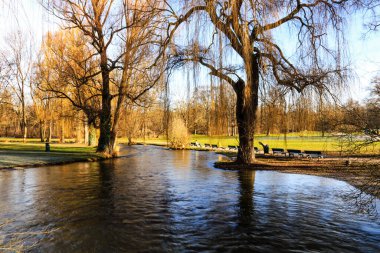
column 23, row 120
column 42, row 130
column 48, row 139
column 246, row 107
column 91, row 135
column 62, row 139
column 86, row 132
column 104, row 143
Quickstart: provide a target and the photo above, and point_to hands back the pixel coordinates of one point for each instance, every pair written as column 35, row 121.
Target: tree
column 18, row 58
column 119, row 35
column 254, row 33
column 67, row 71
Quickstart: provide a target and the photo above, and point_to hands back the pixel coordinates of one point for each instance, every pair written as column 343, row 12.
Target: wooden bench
column 278, row 151
column 313, row 154
column 294, row 152
column 230, row 147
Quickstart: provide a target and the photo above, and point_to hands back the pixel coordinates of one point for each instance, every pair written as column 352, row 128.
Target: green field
column 54, row 147
column 294, row 141
column 303, row 141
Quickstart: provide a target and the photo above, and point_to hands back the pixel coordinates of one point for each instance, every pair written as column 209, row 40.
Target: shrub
column 178, row 134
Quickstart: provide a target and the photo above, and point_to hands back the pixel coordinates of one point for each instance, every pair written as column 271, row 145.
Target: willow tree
column 66, row 70
column 279, row 42
column 119, row 34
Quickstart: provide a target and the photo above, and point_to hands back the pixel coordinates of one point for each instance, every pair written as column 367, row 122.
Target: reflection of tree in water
column 367, row 192
column 246, row 183
column 106, row 178
column 182, row 158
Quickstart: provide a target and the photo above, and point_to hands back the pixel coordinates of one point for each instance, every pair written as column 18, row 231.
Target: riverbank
column 21, row 155
column 361, row 172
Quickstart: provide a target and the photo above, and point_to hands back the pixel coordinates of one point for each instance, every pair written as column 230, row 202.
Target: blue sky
column 364, row 52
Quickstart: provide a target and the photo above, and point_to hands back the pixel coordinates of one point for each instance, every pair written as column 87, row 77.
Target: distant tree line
column 279, row 113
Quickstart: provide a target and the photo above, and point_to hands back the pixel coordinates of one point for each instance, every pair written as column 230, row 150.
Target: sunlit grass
column 32, row 140
column 311, row 141
column 54, row 147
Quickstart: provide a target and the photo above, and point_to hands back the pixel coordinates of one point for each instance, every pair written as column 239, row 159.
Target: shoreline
column 36, row 165
column 42, row 160
column 362, row 173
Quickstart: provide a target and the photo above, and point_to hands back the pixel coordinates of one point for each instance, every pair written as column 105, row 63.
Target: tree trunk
column 86, row 132
column 91, row 135
column 113, row 141
column 42, row 131
column 246, row 107
column 23, row 123
column 25, row 132
column 104, row 143
column 62, row 139
column 48, row 139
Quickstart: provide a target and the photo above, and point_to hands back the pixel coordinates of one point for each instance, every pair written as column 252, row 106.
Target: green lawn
column 308, row 141
column 61, row 148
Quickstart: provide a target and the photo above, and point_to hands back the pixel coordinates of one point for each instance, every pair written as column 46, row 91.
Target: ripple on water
column 161, row 200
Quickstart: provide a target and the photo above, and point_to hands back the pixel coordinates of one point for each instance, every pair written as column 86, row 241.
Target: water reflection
column 246, row 182
column 161, row 200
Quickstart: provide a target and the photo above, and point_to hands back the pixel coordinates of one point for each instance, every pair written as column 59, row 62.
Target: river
column 158, row 200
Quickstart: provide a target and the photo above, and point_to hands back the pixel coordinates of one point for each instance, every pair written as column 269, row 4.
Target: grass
column 33, row 154
column 61, row 148
column 305, row 141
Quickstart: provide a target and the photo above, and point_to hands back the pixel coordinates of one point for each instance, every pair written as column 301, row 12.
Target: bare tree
column 18, row 58
column 372, row 16
column 257, row 33
column 118, row 33
column 67, row 71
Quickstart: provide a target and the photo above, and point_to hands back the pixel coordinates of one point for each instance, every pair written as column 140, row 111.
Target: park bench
column 294, row 152
column 278, row 151
column 207, row 145
column 214, row 146
column 313, row 154
column 231, row 147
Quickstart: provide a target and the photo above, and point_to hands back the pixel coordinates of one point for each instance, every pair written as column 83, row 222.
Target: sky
column 30, row 16
column 365, row 57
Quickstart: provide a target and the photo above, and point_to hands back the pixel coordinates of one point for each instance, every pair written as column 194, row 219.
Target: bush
column 178, row 134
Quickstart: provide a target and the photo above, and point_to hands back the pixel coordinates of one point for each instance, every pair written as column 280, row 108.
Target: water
column 157, row 200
